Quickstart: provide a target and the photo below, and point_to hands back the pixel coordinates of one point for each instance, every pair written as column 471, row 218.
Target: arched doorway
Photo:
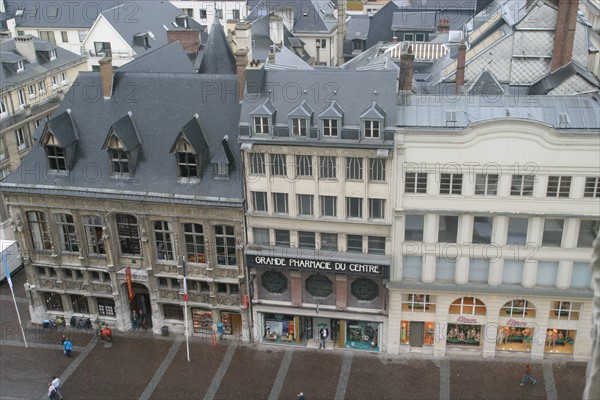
column 141, row 303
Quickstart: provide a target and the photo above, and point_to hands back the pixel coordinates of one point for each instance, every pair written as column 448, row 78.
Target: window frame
column 299, row 127
column 328, row 167
column 257, row 163
column 486, row 184
column 377, row 169
column 261, row 125
column 373, row 207
column 558, row 186
column 225, row 244
column 259, row 202
column 328, row 206
column 451, row 183
column 304, row 200
column 39, row 226
column 94, row 234
column 354, row 167
column 354, row 207
column 280, row 203
column 128, row 232
column 304, row 167
column 330, row 127
column 195, row 242
column 67, row 232
column 522, row 185
column 278, row 165
column 163, row 235
column 592, row 187
column 371, row 128
column 415, row 182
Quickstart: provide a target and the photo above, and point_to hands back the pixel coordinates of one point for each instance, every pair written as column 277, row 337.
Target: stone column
column 592, row 385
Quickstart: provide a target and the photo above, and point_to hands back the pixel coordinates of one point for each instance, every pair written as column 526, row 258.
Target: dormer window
column 52, row 54
column 55, row 154
column 299, row 126
column 300, row 120
column 20, row 66
column 330, row 127
column 371, row 129
column 331, row 120
column 372, row 122
column 119, row 157
column 187, row 160
column 261, row 125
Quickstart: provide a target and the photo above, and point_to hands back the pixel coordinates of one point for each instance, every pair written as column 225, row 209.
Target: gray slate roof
column 158, row 123
column 431, row 111
column 314, row 16
column 357, row 27
column 217, row 55
column 140, row 17
column 60, row 14
column 42, row 65
column 62, row 127
column 170, row 58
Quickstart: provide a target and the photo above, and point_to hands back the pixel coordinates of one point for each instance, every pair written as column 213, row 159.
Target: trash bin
column 165, row 330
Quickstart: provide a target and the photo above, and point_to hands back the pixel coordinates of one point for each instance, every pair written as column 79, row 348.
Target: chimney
column 407, row 68
column 25, row 47
column 318, row 53
column 241, row 61
column 341, row 29
column 443, row 25
column 395, row 39
column 460, row 66
column 564, row 33
column 243, row 39
column 106, row 76
column 528, row 3
column 276, row 29
column 189, row 39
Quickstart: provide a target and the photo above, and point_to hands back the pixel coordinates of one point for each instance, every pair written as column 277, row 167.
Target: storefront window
column 418, row 303
column 417, row 333
column 226, row 320
column 560, row 341
column 565, row 310
column 518, row 309
column 362, row 335
column 202, row 320
column 467, row 306
column 280, row 328
column 53, row 301
column 512, row 338
column 464, row 335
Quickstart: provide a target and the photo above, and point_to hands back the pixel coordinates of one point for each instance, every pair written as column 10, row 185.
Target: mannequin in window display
column 403, row 332
column 549, row 338
column 500, row 335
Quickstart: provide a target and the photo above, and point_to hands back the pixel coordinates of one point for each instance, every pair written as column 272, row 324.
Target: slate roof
column 351, row 91
column 310, row 16
column 63, row 129
column 170, row 58
column 357, row 27
column 406, row 21
column 217, row 55
column 67, row 14
column 561, row 75
column 140, row 17
column 158, row 123
column 42, row 65
column 430, row 111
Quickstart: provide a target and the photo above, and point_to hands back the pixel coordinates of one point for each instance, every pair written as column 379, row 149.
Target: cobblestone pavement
column 142, row 365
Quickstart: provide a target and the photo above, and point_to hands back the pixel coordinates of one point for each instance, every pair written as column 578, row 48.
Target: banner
column 128, row 278
column 7, row 272
column 185, row 291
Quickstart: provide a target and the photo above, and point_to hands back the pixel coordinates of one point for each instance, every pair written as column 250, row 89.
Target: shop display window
column 464, row 335
column 202, row 321
column 53, row 301
column 565, row 310
column 414, row 302
column 518, row 308
column 280, row 328
column 467, row 306
column 362, row 335
column 560, row 341
column 226, row 320
column 512, row 338
column 409, row 329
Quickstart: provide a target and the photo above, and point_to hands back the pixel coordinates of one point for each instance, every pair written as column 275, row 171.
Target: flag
column 7, row 271
column 185, row 294
column 128, row 279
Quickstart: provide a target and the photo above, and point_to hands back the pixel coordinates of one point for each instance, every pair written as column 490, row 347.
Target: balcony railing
column 109, row 53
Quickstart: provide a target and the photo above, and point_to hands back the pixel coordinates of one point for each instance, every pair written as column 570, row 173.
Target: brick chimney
column 407, row 68
column 243, row 40
column 189, row 38
column 443, row 25
column 241, row 61
column 460, row 66
column 106, row 76
column 25, row 47
column 564, row 33
column 341, row 29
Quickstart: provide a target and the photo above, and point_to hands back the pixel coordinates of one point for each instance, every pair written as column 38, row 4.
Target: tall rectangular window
column 56, row 158
column 486, row 184
column 282, row 238
column 306, row 240
column 330, row 127
column 305, row 204
column 3, row 107
column 259, row 201
column 261, row 125
column 280, row 203
column 354, row 168
column 451, row 183
column 129, row 234
column 304, row 166
column 21, row 97
column 194, row 242
column 547, row 272
column 558, row 186
column 553, row 231
column 327, row 167
column 92, row 226
column 21, row 138
column 39, row 230
column 257, row 163
column 47, row 36
column 376, row 208
column 119, row 160
column 592, row 186
column 261, row 236
column 163, row 236
column 299, row 127
column 329, row 241
column 66, row 232
column 371, row 129
column 278, row 165
column 376, row 245
column 482, row 230
column 415, row 182
column 377, row 169
column 517, row 231
column 354, row 243
column 225, row 244
column 354, row 207
column 413, row 228
column 588, row 231
column 522, row 185
column 448, row 229
column 328, row 206
column 187, row 164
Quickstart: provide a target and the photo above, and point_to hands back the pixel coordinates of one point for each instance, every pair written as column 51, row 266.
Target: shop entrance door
column 416, row 334
column 141, row 304
column 236, row 324
column 335, row 330
column 308, row 329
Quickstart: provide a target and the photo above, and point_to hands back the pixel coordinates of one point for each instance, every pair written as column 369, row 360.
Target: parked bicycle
column 55, row 323
column 80, row 322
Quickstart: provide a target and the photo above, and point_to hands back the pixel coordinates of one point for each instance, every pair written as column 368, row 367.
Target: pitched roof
column 315, row 16
column 63, row 129
column 217, row 55
column 168, row 58
column 60, row 13
column 156, row 171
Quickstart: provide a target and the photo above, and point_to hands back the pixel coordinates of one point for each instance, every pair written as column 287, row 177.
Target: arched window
column 518, row 309
column 467, row 306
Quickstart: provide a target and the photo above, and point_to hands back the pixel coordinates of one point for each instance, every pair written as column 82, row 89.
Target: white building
column 205, row 11
column 497, row 206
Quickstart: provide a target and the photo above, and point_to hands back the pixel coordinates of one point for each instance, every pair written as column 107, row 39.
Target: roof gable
column 194, row 134
column 218, row 57
column 373, row 112
column 265, row 108
column 124, row 129
column 485, row 83
column 62, row 128
column 333, row 111
column 302, row 111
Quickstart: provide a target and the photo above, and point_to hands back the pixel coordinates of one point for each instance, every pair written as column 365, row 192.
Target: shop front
column 202, row 320
column 466, row 319
column 516, row 326
column 561, row 333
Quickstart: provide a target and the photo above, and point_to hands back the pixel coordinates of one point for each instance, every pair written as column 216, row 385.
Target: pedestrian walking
column 67, row 347
column 134, row 320
column 323, row 335
column 62, row 340
column 527, row 377
column 52, row 392
column 56, row 383
column 300, row 396
column 142, row 321
column 221, row 330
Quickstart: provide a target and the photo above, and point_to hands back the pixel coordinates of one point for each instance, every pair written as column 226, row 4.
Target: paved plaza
column 141, row 365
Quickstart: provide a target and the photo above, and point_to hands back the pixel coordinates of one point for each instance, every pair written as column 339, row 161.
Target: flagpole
column 185, row 302
column 14, row 298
